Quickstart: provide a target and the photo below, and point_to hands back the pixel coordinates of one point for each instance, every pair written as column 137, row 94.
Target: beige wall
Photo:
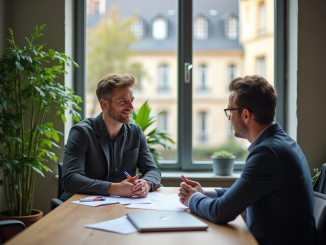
column 311, row 84
column 256, row 44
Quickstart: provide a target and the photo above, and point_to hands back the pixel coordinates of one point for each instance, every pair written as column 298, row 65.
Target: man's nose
column 130, row 105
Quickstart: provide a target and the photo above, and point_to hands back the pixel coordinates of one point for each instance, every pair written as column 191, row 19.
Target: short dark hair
column 257, row 95
column 107, row 85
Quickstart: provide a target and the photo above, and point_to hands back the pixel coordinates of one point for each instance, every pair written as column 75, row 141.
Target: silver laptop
column 165, row 221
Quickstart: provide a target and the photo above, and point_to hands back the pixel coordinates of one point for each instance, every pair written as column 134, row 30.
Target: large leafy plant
column 155, row 137
column 27, row 93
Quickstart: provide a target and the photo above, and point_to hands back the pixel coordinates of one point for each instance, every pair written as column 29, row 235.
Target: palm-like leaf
column 156, row 137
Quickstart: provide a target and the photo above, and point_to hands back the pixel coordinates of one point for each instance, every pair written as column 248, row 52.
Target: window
column 202, row 127
column 162, row 122
column 202, row 79
column 262, row 19
column 231, row 74
column 194, row 104
column 261, row 67
column 231, row 28
column 136, row 70
column 200, row 28
column 163, row 79
column 160, row 28
column 137, row 28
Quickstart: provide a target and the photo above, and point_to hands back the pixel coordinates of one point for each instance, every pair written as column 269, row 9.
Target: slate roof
column 147, row 10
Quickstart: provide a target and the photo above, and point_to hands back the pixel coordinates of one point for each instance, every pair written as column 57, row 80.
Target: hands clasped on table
column 187, row 189
column 128, row 187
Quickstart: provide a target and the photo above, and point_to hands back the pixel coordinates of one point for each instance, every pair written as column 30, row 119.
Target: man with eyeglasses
column 275, row 185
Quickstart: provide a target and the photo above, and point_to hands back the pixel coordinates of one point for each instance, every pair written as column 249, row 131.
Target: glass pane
column 234, row 47
column 140, row 38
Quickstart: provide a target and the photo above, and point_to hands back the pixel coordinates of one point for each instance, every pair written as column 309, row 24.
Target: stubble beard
column 240, row 130
column 115, row 116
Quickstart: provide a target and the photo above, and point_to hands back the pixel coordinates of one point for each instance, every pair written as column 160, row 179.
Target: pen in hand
column 92, row 199
column 128, row 175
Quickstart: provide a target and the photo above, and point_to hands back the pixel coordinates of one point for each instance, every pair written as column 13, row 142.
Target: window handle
column 188, row 67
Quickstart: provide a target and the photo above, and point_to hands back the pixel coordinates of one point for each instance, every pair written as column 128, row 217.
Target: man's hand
column 187, row 189
column 141, row 188
column 124, row 188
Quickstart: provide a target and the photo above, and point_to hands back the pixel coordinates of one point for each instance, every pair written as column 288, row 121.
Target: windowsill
column 199, row 175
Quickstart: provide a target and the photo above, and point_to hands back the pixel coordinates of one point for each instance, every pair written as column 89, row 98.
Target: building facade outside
column 227, row 43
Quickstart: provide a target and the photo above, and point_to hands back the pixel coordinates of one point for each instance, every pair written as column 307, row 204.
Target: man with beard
column 99, row 150
column 275, row 185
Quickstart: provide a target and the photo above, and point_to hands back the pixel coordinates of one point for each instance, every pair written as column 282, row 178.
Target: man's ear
column 247, row 116
column 104, row 103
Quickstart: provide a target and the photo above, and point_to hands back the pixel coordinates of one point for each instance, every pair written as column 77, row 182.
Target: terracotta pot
column 7, row 233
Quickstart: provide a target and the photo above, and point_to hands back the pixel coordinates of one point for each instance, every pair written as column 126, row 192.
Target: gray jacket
column 86, row 163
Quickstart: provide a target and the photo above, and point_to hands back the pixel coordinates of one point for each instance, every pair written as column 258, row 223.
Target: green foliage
column 222, row 154
column 155, row 137
column 28, row 92
column 315, row 177
column 109, row 50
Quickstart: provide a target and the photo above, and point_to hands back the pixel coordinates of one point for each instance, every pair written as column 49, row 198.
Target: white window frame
column 232, row 27
column 163, row 82
column 200, row 28
column 138, row 28
column 160, row 28
column 202, row 79
column 202, row 123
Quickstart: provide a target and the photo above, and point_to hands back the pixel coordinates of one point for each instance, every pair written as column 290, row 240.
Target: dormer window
column 200, row 28
column 160, row 28
column 231, row 28
column 138, row 28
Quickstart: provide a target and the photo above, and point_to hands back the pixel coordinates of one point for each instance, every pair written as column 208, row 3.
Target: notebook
column 165, row 221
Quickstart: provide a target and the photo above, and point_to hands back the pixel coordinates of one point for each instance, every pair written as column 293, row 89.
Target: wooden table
column 65, row 225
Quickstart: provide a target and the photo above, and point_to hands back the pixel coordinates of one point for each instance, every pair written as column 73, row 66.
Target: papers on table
column 161, row 202
column 115, row 199
column 120, row 225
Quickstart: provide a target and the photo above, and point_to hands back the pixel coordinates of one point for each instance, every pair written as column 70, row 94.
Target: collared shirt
column 116, row 174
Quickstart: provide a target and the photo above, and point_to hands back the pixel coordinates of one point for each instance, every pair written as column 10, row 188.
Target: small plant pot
column 223, row 166
column 9, row 232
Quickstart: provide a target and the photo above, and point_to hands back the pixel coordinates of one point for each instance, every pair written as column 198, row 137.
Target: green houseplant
column 223, row 162
column 155, row 137
column 27, row 93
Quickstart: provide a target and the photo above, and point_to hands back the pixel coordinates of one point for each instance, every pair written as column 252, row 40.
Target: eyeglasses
column 228, row 111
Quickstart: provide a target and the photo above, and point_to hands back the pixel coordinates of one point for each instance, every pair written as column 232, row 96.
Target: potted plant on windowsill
column 223, row 162
column 27, row 93
column 155, row 137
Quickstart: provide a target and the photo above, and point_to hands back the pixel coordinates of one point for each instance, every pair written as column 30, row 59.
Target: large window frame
column 185, row 33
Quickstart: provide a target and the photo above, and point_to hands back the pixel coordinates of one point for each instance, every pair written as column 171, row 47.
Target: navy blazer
column 275, row 187
column 86, row 163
